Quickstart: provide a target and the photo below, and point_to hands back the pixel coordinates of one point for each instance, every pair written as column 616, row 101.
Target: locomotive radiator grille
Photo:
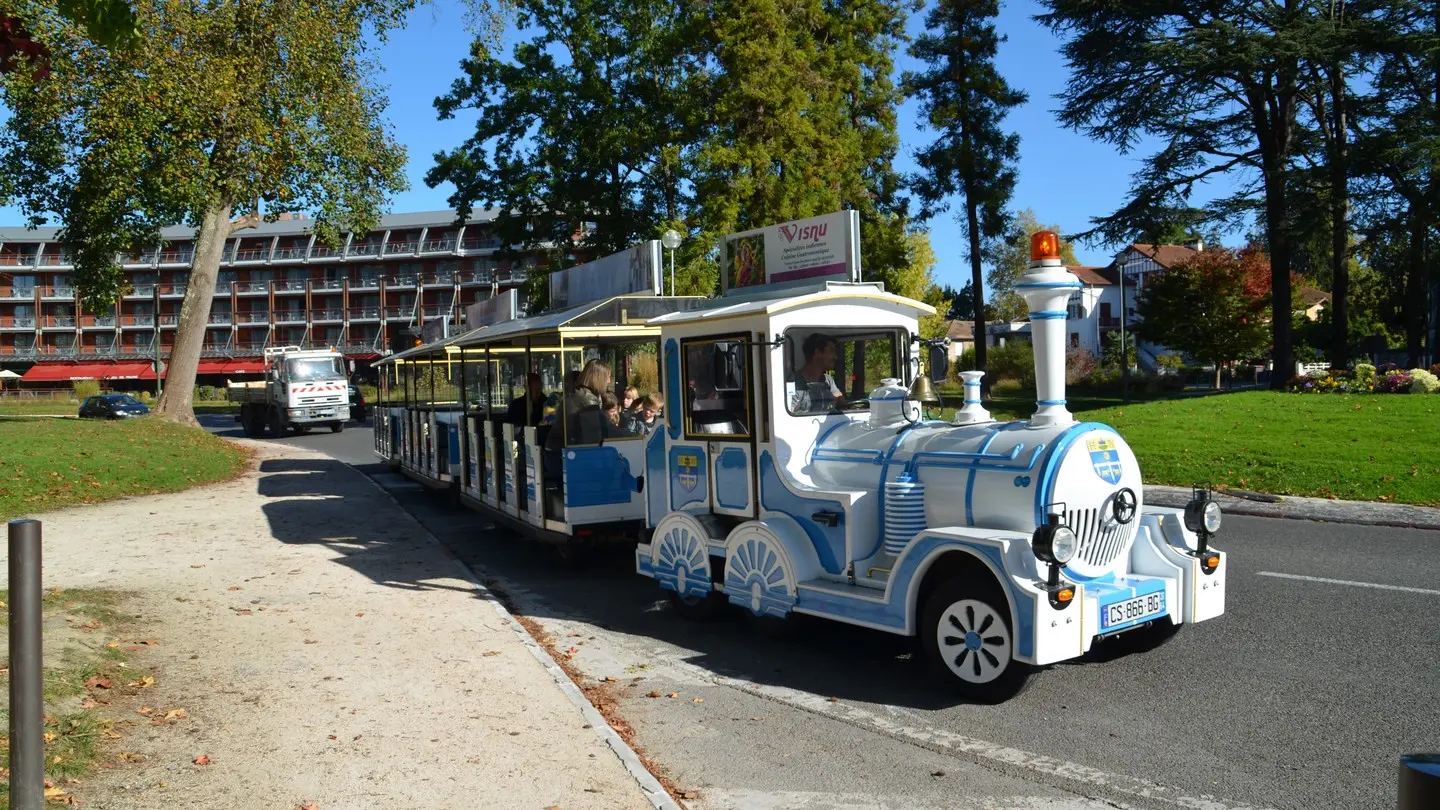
column 1101, row 541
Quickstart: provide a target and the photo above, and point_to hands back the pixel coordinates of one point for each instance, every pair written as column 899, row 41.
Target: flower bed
column 1367, row 379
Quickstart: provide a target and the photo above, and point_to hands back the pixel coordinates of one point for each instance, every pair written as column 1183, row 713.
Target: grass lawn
column 52, row 463
column 61, row 407
column 78, row 658
column 1355, row 447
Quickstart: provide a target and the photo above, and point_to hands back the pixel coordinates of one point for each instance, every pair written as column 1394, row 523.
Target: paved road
column 1302, row 696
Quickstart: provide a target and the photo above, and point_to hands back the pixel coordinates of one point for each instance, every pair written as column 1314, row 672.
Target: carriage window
column 836, row 369
column 717, row 391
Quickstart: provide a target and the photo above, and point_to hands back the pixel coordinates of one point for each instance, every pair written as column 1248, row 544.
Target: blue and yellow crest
column 688, row 468
column 1105, row 459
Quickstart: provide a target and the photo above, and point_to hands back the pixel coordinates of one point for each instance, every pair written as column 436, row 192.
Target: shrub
column 86, row 388
column 1423, row 382
column 1396, row 382
column 1079, row 366
column 1170, row 361
column 1014, row 361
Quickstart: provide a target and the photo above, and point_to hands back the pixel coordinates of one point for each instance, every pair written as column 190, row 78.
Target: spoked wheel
column 969, row 641
column 698, row 608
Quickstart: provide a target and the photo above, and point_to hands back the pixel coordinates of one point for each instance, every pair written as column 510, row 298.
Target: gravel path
column 327, row 652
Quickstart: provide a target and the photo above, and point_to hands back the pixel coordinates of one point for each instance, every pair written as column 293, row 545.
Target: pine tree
column 966, row 100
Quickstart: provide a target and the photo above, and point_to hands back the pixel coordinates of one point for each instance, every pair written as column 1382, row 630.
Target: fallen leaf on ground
column 689, row 794
column 50, row 736
column 310, row 806
column 489, row 653
column 145, row 710
column 234, row 588
column 176, row 714
column 144, row 683
column 244, row 612
column 203, row 759
column 311, row 641
column 608, row 679
column 96, row 681
column 93, row 624
column 112, row 645
column 332, row 737
column 652, row 694
column 87, row 703
column 673, row 695
column 201, row 565
column 698, row 700
column 131, row 757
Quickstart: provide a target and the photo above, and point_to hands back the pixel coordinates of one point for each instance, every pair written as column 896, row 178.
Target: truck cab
column 302, row 389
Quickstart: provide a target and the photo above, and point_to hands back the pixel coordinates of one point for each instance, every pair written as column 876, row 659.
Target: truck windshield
column 313, row 369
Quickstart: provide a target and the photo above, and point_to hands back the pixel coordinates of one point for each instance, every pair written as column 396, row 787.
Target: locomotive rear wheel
column 698, row 608
column 970, row 644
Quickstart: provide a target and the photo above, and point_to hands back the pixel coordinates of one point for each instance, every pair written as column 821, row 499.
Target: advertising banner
column 633, row 271
column 495, row 309
column 435, row 329
column 806, row 250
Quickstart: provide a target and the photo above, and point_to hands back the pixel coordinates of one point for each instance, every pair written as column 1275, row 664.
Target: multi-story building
column 277, row 286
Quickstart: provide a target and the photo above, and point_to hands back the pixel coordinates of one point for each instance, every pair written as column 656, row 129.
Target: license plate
column 1141, row 607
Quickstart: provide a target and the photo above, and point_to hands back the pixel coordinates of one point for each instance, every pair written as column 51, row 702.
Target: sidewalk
column 328, row 652
column 1364, row 513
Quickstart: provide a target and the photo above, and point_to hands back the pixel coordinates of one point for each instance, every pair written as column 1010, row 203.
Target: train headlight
column 1202, row 515
column 1054, row 542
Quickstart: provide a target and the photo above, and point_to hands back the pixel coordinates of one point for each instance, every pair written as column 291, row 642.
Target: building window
column 1074, row 308
column 1074, row 340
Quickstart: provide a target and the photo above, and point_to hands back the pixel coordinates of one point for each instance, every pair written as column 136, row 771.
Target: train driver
column 813, row 388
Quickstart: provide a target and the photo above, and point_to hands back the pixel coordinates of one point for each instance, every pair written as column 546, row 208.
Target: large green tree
column 1010, row 258
column 1217, row 84
column 1210, row 306
column 218, row 116
column 965, row 100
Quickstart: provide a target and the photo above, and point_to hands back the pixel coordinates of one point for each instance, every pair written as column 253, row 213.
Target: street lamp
column 671, row 240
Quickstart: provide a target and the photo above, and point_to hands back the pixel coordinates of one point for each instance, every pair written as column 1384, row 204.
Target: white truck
column 303, row 388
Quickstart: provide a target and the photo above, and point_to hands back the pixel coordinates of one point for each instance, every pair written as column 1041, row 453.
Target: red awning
column 249, row 365
column 65, row 372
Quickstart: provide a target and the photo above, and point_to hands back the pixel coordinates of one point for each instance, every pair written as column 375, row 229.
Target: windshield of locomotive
column 315, row 369
column 830, row 369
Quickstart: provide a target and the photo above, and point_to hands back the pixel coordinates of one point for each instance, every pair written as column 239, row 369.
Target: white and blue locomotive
column 1004, row 546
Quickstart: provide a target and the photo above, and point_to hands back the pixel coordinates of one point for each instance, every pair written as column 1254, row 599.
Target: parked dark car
column 112, row 406
column 359, row 409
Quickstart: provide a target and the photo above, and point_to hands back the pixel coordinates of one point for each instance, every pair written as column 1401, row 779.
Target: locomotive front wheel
column 697, row 608
column 969, row 642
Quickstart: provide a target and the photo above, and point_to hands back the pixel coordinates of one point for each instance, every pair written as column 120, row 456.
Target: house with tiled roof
column 1092, row 311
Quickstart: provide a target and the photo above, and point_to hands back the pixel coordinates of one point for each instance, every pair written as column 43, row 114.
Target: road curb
column 648, row 784
column 1358, row 513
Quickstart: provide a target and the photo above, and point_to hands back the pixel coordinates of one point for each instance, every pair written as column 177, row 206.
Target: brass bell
column 923, row 390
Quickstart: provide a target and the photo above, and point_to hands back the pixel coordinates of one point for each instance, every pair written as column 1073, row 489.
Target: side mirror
column 939, row 364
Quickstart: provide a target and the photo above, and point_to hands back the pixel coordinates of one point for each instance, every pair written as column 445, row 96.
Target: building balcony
column 327, row 316
column 55, row 260
column 169, row 320
column 1109, row 323
column 323, row 252
column 434, row 312
column 97, row 322
column 399, row 313
column 173, row 290
column 57, row 322
column 252, row 287
column 18, row 260
column 440, row 280
column 401, row 248
column 290, row 286
column 220, row 319
column 19, row 293
column 438, row 246
column 365, row 249
column 291, row 253
column 365, row 314
column 26, row 322
column 251, row 317
column 365, row 284
column 60, row 293
column 127, row 321
column 328, row 284
column 486, row 277
column 252, row 255
column 293, row 316
column 480, row 244
column 141, row 291
column 184, row 257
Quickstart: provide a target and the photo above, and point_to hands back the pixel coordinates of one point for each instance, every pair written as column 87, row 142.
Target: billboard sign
column 792, row 253
column 633, row 271
column 497, row 308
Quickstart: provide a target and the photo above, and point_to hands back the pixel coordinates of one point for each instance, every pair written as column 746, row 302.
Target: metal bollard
column 27, row 708
column 1419, row 781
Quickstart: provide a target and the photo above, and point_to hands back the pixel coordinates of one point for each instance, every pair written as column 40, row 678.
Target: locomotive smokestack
column 1046, row 287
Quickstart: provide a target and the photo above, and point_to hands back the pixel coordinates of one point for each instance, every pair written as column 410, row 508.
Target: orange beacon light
column 1044, row 245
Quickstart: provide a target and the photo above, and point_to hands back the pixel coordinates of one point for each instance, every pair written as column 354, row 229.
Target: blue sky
column 1064, row 177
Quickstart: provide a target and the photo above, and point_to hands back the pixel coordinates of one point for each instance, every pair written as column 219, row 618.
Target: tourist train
column 781, row 460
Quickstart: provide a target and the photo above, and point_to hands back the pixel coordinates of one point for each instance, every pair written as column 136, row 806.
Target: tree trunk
column 1339, row 228
column 977, row 280
column 1277, row 231
column 1416, row 301
column 176, row 404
